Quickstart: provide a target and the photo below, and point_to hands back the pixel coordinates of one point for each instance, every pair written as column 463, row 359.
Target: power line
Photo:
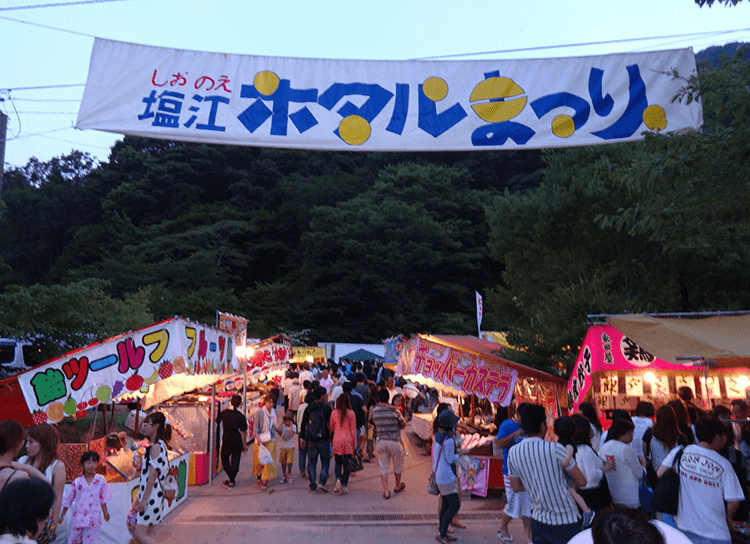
column 43, row 86
column 584, row 44
column 59, row 4
column 48, row 27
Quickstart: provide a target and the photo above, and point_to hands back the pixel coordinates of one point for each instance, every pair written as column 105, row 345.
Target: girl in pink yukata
column 88, row 493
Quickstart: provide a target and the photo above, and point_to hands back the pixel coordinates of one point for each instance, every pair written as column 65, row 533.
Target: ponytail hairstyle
column 164, row 429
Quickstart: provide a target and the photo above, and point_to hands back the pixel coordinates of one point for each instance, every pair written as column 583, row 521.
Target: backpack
column 316, row 426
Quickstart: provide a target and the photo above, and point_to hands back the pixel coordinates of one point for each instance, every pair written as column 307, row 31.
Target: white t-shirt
column 591, row 466
column 625, row 479
column 327, row 383
column 671, row 535
column 706, row 481
column 306, row 375
column 335, row 394
column 642, row 424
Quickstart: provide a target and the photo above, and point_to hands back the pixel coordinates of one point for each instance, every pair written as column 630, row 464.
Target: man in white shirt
column 707, row 480
column 325, row 380
column 306, row 374
column 534, row 466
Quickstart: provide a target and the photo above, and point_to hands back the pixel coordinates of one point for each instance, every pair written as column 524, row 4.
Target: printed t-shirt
column 706, row 481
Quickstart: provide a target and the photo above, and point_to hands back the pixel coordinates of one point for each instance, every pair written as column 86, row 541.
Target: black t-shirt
column 234, row 423
column 358, row 407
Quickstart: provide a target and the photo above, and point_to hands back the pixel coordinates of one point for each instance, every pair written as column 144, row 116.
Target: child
column 286, row 446
column 87, row 490
column 398, row 403
column 565, row 429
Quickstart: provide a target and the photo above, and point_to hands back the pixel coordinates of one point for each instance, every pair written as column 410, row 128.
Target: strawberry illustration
column 165, row 370
column 39, row 418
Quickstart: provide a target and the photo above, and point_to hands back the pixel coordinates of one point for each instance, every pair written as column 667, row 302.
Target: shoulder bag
column 432, row 487
column 666, row 496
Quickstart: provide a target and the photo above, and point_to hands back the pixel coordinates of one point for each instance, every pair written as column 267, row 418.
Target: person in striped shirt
column 534, row 466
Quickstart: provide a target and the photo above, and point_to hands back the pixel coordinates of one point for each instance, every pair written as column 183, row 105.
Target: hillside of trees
column 363, row 246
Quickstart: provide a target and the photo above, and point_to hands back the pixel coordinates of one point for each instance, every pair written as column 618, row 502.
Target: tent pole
column 211, row 441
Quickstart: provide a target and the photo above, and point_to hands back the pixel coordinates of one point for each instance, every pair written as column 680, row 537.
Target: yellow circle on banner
column 435, row 88
column 655, row 117
column 563, row 126
column 504, row 98
column 354, row 130
column 266, row 82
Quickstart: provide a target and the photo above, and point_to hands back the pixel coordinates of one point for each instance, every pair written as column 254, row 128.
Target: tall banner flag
column 480, row 311
column 366, row 105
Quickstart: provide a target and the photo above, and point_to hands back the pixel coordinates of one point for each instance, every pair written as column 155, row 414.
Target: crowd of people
column 575, row 482
column 560, row 488
column 336, row 413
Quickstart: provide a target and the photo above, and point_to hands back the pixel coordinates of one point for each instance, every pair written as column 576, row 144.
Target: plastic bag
column 264, row 456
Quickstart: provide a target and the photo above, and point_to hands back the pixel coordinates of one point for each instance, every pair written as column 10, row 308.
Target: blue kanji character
column 433, row 123
column 214, row 101
column 632, row 117
column 167, row 111
column 48, row 386
column 280, row 93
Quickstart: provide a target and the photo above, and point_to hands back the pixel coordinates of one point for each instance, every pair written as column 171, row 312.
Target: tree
column 659, row 225
column 59, row 318
column 404, row 256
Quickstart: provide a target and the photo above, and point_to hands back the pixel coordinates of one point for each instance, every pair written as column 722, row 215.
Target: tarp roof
column 490, row 350
column 361, row 355
column 725, row 338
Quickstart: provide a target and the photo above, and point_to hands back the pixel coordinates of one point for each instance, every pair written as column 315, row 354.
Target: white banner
column 132, row 362
column 384, row 105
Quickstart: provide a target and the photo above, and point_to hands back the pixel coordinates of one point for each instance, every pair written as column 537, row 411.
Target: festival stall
column 315, row 355
column 155, row 364
column 461, row 366
column 635, row 358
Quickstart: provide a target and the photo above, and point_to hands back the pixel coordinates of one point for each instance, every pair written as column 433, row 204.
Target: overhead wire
column 59, row 4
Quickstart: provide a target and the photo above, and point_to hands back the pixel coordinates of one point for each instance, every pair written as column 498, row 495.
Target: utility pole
column 3, row 132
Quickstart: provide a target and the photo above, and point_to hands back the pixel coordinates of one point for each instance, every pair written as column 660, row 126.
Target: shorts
column 519, row 504
column 387, row 449
column 286, row 456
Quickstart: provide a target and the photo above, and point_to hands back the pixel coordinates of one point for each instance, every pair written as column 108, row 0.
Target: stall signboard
column 300, row 354
column 460, row 370
column 79, row 380
column 411, row 105
column 607, row 349
column 268, row 358
column 234, row 325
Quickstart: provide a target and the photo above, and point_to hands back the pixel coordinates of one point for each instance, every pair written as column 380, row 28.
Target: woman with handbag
column 155, row 464
column 444, row 461
column 264, row 466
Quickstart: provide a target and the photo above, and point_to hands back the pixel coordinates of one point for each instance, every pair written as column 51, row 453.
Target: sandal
column 387, row 495
column 458, row 524
column 400, row 488
column 263, row 487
